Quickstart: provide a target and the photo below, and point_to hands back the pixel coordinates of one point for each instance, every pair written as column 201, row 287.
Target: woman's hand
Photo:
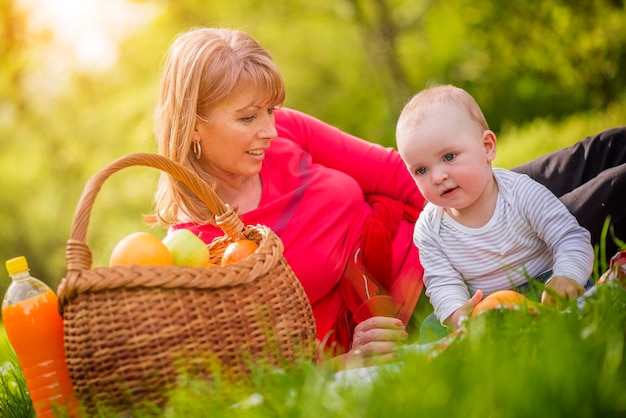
column 375, row 342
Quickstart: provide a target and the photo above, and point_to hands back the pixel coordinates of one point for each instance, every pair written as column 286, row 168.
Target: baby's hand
column 559, row 289
column 454, row 320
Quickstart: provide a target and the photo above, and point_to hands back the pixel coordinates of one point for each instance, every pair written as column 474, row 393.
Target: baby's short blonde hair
column 416, row 108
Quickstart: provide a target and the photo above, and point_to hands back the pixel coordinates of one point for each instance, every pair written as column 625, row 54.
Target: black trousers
column 590, row 179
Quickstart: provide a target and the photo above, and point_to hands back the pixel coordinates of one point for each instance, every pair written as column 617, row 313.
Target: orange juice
column 35, row 330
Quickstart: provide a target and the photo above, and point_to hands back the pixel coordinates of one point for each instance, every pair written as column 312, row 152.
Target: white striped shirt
column 530, row 232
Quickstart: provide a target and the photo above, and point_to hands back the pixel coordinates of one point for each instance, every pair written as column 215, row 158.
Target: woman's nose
column 268, row 129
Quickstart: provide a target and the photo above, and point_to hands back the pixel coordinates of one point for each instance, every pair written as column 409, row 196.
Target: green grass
column 14, row 399
column 517, row 145
column 510, row 364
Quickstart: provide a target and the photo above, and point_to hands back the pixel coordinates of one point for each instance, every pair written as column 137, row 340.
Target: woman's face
column 235, row 136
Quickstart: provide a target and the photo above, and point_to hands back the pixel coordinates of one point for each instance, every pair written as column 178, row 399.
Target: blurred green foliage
column 352, row 63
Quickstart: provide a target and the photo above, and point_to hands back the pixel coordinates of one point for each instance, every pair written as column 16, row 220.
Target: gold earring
column 197, row 149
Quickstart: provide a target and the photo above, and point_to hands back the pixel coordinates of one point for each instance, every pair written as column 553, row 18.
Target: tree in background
column 521, row 60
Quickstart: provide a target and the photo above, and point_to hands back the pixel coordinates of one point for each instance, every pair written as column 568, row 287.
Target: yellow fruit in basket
column 238, row 250
column 140, row 248
column 187, row 248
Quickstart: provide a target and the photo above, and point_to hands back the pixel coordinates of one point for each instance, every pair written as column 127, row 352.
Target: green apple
column 186, row 248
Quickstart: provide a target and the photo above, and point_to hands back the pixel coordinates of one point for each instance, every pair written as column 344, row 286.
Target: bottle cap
column 17, row 265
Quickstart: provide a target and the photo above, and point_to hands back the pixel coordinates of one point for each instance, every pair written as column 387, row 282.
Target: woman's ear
column 489, row 142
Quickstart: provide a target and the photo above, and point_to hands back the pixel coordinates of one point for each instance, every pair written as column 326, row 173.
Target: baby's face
column 448, row 155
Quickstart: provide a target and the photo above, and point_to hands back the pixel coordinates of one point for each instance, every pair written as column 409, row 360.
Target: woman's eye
column 248, row 119
column 448, row 157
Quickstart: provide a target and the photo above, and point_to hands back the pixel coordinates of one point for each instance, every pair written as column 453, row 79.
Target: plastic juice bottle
column 35, row 330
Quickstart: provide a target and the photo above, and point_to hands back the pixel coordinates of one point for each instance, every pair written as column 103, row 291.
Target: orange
column 140, row 248
column 507, row 299
column 238, row 250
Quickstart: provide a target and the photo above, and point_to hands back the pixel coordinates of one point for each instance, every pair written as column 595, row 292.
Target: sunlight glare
column 86, row 33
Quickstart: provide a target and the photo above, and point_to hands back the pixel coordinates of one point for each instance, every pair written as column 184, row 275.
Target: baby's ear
column 490, row 143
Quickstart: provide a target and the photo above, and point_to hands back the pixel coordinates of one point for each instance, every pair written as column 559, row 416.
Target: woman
column 343, row 207
column 328, row 195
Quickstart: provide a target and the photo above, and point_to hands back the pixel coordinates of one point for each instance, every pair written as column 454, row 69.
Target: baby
column 484, row 229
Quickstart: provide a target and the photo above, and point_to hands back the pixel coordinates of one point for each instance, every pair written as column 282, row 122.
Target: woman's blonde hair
column 203, row 67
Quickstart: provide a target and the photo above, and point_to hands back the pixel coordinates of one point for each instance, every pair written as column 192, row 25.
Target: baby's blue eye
column 420, row 170
column 448, row 157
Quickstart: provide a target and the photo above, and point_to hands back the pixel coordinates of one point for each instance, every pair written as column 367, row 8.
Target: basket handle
column 225, row 216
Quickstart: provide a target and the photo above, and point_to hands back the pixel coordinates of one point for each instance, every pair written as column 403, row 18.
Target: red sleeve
column 377, row 169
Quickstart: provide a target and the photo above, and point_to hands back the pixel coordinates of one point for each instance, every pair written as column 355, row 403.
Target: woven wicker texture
column 131, row 331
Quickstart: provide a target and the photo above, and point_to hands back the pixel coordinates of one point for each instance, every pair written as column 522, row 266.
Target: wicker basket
column 130, row 332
